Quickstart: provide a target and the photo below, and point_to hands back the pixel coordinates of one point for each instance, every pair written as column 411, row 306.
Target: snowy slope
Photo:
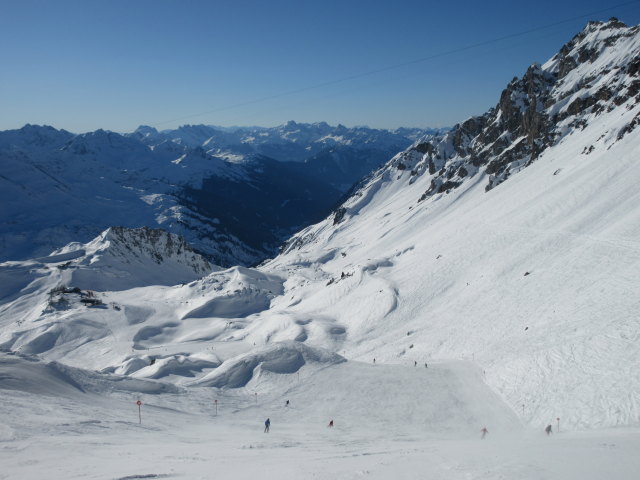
column 389, row 421
column 484, row 277
column 533, row 279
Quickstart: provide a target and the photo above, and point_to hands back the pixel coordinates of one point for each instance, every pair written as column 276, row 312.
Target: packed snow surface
column 389, row 420
column 496, row 292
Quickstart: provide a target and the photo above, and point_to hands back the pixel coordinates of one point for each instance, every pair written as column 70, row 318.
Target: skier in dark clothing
column 286, row 404
column 548, row 429
column 484, row 432
column 331, row 424
column 267, row 424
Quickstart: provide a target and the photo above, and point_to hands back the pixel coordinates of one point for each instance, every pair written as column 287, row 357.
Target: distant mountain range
column 234, row 194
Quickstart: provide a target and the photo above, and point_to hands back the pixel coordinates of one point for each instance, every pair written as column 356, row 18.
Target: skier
column 484, row 432
column 286, row 404
column 415, row 363
column 331, row 424
column 425, row 365
column 374, row 361
column 267, row 424
column 548, row 430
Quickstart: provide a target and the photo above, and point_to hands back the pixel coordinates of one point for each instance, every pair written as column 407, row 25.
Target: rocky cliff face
column 597, row 72
column 121, row 258
column 149, row 243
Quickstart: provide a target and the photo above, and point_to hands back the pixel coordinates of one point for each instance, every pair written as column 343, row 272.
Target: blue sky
column 85, row 64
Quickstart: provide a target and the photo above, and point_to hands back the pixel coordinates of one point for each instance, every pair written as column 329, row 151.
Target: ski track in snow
column 389, row 420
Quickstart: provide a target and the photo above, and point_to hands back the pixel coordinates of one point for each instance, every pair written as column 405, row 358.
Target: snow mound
column 29, row 374
column 181, row 365
column 279, row 358
column 236, row 292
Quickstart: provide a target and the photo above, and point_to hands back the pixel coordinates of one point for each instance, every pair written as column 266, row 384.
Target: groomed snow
column 389, row 421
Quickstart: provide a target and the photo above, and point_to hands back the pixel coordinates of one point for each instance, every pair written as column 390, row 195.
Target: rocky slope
column 595, row 73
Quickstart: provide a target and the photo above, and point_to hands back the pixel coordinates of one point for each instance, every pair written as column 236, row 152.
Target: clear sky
column 115, row 64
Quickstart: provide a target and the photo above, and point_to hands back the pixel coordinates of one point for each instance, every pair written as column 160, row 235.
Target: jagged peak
column 154, row 243
column 535, row 111
column 146, row 130
column 613, row 22
column 142, row 236
column 588, row 44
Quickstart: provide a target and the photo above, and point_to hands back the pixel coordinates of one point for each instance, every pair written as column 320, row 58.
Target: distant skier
column 425, row 365
column 374, row 361
column 331, row 424
column 267, row 424
column 415, row 363
column 548, row 429
column 287, row 403
column 484, row 432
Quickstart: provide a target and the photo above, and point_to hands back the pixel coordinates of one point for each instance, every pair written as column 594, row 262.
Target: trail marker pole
column 558, row 419
column 139, row 403
column 256, row 398
column 216, row 402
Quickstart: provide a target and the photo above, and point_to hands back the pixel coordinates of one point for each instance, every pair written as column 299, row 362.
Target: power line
column 397, row 65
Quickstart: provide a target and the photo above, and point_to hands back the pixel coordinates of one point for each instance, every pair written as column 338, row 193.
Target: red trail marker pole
column 139, row 403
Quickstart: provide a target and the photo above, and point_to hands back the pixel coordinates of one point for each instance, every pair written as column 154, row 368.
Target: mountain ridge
column 60, row 187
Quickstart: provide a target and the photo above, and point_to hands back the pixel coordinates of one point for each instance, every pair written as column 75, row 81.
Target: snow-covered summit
column 123, row 258
column 34, row 136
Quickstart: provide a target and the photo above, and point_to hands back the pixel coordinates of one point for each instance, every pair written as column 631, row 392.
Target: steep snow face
column 534, row 278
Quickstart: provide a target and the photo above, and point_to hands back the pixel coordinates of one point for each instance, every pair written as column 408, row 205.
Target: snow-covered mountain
column 58, row 187
column 510, row 241
column 487, row 276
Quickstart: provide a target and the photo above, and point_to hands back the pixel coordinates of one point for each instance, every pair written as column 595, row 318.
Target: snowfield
column 497, row 292
column 389, row 420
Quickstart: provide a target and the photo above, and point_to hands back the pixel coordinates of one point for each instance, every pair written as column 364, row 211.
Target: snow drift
column 279, row 358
